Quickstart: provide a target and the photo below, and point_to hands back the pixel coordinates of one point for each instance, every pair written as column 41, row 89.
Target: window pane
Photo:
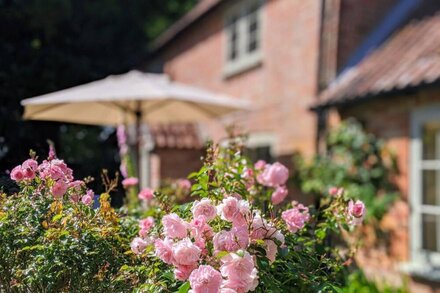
column 259, row 153
column 431, row 143
column 430, row 225
column 253, row 29
column 233, row 39
column 431, row 194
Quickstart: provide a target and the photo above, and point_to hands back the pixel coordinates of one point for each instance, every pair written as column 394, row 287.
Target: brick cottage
column 307, row 64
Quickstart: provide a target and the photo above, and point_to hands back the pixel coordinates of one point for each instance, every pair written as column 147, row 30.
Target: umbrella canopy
column 129, row 98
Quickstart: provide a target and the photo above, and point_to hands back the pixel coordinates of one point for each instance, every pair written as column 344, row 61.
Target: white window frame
column 423, row 261
column 245, row 60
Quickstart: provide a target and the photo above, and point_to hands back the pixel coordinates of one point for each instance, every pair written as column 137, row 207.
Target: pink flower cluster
column 55, row 177
column 355, row 212
column 275, row 176
column 296, row 217
column 191, row 246
column 146, row 194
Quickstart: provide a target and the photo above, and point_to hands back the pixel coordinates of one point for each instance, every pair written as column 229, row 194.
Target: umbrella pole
column 138, row 114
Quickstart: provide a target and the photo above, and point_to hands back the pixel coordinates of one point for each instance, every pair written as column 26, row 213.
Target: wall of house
column 176, row 163
column 281, row 88
column 389, row 118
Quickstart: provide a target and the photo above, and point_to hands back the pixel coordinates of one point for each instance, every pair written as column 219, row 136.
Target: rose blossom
column 279, row 195
column 31, row 164
column 273, row 175
column 204, row 208
column 185, row 252
column 138, row 245
column 184, row 184
column 240, row 272
column 335, row 191
column 271, row 250
column 145, row 226
column 59, row 188
column 164, row 250
column 146, row 194
column 356, row 212
column 17, row 174
column 205, row 279
column 237, row 238
column 296, row 218
column 87, row 199
column 260, row 164
column 174, row 226
column 129, row 182
column 234, row 210
column 200, row 229
column 182, row 272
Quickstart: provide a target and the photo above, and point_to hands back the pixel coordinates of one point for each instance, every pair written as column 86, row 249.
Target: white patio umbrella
column 131, row 98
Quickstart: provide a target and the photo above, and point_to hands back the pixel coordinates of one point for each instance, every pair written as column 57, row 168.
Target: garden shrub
column 355, row 160
column 53, row 240
column 240, row 235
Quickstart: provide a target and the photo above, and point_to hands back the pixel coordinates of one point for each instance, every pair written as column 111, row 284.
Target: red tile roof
column 203, row 7
column 410, row 58
column 179, row 136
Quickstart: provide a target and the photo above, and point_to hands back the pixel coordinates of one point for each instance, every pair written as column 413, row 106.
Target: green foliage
column 358, row 283
column 355, row 160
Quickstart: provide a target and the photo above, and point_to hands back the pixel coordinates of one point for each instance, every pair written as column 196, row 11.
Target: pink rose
column 174, row 226
column 129, row 182
column 205, row 279
column 30, row 164
column 274, row 175
column 279, row 195
column 234, row 210
column 184, row 184
column 356, row 212
column 29, row 167
column 77, row 185
column 145, row 226
column 200, row 229
column 261, row 229
column 236, row 239
column 146, row 194
column 59, row 188
column 182, row 272
column 296, row 218
column 335, row 191
column 87, row 199
column 271, row 250
column 240, row 272
column 204, row 208
column 260, row 164
column 17, row 174
column 164, row 250
column 186, row 253
column 138, row 245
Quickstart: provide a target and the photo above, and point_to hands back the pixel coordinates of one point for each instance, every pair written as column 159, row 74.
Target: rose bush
column 53, row 240
column 239, row 234
column 238, row 237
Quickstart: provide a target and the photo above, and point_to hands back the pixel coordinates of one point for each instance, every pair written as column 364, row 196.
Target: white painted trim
column 419, row 117
column 262, row 139
column 244, row 60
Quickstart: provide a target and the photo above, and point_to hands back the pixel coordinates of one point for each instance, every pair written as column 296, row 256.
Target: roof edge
column 193, row 15
column 395, row 92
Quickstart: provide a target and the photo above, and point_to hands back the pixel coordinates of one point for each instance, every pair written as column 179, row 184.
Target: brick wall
column 177, row 163
column 282, row 87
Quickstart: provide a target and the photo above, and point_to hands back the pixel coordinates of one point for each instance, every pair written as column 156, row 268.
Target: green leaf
column 184, row 288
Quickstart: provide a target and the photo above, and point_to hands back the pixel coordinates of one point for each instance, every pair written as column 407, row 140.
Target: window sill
column 421, row 270
column 240, row 66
